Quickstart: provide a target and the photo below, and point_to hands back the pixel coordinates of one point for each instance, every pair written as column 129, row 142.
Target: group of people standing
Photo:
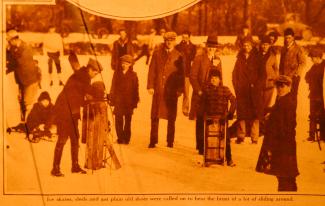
column 172, row 70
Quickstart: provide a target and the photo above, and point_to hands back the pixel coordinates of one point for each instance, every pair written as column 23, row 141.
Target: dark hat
column 289, row 31
column 12, row 34
column 44, row 95
column 170, row 35
column 316, row 53
column 265, row 39
column 212, row 41
column 127, row 58
column 95, row 65
column 214, row 73
column 98, row 90
column 283, row 79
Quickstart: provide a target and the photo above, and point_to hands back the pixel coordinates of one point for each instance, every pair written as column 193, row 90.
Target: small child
column 215, row 102
column 38, row 119
column 124, row 96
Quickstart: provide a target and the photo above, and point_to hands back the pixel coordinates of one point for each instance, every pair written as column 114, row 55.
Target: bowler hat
column 95, row 65
column 127, row 58
column 12, row 34
column 316, row 53
column 212, row 41
column 283, row 79
column 170, row 35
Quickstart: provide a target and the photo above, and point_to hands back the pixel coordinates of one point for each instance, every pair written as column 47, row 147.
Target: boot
column 56, row 172
column 77, row 169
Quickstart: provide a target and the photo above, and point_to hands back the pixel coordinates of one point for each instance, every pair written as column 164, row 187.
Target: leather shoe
column 171, row 145
column 56, row 173
column 151, row 145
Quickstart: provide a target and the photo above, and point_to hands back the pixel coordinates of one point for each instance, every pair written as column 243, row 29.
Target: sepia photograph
column 162, row 102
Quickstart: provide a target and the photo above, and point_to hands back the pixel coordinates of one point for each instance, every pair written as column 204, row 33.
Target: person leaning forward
column 166, row 84
column 67, row 113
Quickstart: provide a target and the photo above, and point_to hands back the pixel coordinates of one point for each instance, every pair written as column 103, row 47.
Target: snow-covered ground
column 27, row 166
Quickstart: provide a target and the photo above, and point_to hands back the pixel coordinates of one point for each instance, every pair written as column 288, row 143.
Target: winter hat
column 265, row 39
column 212, row 41
column 12, row 34
column 214, row 73
column 289, row 31
column 44, row 95
column 274, row 34
column 316, row 53
column 283, row 79
column 170, row 36
column 127, row 58
column 95, row 65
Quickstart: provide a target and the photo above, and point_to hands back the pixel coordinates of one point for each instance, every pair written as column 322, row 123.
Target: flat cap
column 283, row 79
column 289, row 31
column 170, row 35
column 316, row 53
column 95, row 65
column 11, row 34
column 127, row 58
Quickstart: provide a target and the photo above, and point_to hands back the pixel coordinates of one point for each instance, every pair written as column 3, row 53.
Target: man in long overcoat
column 199, row 74
column 67, row 113
column 278, row 152
column 247, row 79
column 165, row 83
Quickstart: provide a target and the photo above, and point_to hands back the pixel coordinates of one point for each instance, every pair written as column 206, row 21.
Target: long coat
column 166, row 77
column 199, row 74
column 278, row 153
column 124, row 92
column 270, row 68
column 247, row 78
column 71, row 98
column 121, row 48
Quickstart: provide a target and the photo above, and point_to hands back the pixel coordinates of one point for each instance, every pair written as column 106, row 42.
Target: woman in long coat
column 278, row 153
column 166, row 80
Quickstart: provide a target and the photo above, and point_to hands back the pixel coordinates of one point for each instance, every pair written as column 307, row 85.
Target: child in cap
column 215, row 103
column 124, row 96
column 38, row 119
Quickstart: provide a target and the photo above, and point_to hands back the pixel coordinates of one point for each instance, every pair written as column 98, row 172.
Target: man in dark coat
column 247, row 79
column 199, row 74
column 188, row 49
column 121, row 47
column 124, row 96
column 166, row 84
column 67, row 113
column 314, row 78
column 278, row 153
column 293, row 59
column 27, row 73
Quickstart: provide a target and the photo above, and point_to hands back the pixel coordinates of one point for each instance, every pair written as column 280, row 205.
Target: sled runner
column 95, row 133
column 214, row 140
